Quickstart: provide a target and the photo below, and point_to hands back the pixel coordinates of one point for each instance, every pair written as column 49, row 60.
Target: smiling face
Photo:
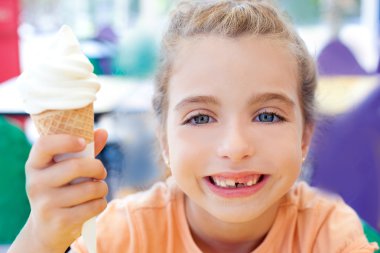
column 235, row 136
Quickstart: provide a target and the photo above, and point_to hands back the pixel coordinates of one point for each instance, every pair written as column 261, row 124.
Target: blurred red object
column 9, row 51
column 9, row 48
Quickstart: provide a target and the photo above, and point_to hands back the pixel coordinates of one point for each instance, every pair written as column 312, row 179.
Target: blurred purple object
column 101, row 50
column 378, row 67
column 337, row 59
column 108, row 38
column 107, row 34
column 345, row 156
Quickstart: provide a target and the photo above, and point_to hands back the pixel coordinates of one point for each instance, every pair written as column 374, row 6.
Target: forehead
column 246, row 64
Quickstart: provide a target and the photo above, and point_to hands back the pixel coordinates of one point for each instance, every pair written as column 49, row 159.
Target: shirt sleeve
column 78, row 246
column 342, row 232
column 114, row 230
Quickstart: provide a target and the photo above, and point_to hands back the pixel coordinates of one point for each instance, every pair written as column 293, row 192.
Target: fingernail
column 82, row 141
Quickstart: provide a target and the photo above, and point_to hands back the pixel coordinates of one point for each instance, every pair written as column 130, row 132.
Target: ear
column 161, row 136
column 306, row 138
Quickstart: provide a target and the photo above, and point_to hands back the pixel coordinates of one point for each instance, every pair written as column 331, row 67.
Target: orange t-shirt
column 154, row 221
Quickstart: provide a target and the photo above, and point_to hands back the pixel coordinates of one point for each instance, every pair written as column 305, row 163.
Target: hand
column 58, row 208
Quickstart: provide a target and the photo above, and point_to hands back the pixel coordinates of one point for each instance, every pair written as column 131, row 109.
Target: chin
column 237, row 214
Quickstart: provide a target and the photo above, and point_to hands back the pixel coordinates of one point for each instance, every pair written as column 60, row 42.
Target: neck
column 219, row 236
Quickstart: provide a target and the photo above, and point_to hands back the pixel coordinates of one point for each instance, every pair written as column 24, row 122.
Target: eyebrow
column 197, row 100
column 255, row 99
column 265, row 97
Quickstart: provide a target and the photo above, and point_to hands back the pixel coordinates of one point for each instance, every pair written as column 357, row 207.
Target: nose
column 236, row 144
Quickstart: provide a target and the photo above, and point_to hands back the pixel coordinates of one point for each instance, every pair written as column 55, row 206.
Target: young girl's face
column 235, row 133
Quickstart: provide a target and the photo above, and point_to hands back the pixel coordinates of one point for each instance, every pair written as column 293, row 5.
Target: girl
column 234, row 99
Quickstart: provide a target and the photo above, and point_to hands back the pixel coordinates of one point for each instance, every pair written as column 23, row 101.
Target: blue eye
column 268, row 117
column 199, row 119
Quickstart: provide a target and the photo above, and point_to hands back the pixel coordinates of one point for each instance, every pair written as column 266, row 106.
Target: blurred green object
column 14, row 204
column 97, row 68
column 99, row 54
column 306, row 12
column 313, row 12
column 371, row 234
column 136, row 55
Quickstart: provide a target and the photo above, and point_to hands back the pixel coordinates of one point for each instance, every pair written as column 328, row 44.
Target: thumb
column 100, row 137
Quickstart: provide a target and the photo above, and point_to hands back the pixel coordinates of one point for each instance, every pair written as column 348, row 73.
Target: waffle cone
column 77, row 122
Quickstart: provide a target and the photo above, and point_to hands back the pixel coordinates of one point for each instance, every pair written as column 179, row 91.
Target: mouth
column 230, row 185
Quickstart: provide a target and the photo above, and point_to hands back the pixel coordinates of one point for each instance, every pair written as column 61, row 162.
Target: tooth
column 255, row 179
column 230, row 182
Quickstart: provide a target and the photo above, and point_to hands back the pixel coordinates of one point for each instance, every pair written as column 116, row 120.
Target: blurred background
column 121, row 38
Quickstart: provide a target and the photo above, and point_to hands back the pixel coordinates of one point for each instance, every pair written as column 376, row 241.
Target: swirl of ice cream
column 62, row 79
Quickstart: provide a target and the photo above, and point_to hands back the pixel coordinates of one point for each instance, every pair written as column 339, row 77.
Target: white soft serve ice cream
column 60, row 79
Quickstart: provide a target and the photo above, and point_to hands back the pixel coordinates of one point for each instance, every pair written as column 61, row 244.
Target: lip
column 236, row 192
column 236, row 174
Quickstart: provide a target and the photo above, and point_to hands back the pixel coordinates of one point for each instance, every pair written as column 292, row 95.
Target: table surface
column 334, row 94
column 339, row 94
column 4, row 248
column 115, row 93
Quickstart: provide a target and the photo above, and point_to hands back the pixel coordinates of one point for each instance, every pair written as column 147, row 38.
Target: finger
column 76, row 194
column 86, row 210
column 65, row 172
column 100, row 137
column 46, row 147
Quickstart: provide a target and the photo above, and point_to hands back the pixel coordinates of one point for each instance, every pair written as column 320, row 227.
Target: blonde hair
column 232, row 18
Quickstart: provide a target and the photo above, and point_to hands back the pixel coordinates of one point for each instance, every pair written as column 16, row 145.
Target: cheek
column 284, row 149
column 291, row 156
column 189, row 155
column 188, row 150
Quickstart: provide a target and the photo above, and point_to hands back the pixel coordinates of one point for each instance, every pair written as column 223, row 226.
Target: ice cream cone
column 77, row 122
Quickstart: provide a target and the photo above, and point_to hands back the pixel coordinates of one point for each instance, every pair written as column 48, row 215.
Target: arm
column 58, row 208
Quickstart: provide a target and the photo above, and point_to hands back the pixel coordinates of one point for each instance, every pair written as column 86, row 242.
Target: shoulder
column 128, row 222
column 160, row 195
column 305, row 198
column 328, row 222
column 142, row 205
